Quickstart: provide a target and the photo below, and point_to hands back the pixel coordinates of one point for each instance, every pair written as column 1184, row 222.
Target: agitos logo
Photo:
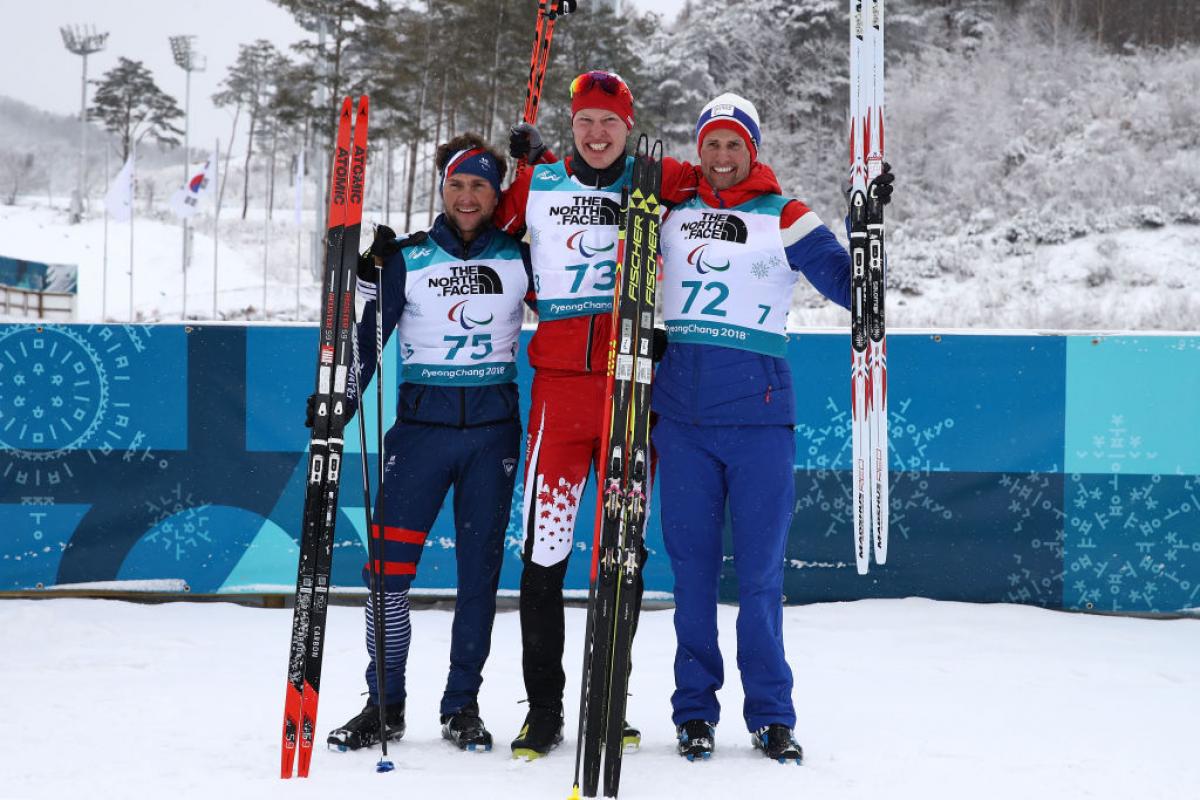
column 458, row 313
column 711, row 225
column 576, row 242
column 696, row 259
column 468, row 279
column 587, row 210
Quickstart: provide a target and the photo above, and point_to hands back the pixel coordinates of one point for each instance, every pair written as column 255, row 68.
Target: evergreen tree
column 248, row 85
column 129, row 104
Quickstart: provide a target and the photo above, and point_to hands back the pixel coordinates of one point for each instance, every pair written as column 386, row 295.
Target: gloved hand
column 658, row 347
column 385, row 245
column 310, row 411
column 881, row 187
column 524, row 141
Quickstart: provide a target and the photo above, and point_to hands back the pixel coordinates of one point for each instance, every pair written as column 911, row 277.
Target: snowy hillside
column 899, row 699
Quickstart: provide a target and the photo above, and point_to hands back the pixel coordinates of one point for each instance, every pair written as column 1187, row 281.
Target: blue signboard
column 1045, row 470
column 35, row 276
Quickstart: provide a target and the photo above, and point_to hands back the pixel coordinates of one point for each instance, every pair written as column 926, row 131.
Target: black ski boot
column 363, row 730
column 540, row 734
column 696, row 738
column 776, row 741
column 466, row 730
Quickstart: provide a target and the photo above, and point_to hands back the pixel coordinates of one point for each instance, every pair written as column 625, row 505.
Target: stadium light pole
column 190, row 61
column 82, row 41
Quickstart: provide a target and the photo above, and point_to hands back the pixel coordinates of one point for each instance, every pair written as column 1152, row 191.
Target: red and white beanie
column 731, row 112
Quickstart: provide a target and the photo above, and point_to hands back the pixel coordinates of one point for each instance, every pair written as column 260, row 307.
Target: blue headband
column 475, row 161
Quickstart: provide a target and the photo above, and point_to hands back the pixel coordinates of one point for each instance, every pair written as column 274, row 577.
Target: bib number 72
column 713, row 307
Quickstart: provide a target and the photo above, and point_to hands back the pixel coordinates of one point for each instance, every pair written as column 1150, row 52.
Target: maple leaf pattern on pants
column 555, row 510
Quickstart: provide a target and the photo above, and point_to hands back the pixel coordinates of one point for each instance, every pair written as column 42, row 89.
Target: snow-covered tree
column 129, row 104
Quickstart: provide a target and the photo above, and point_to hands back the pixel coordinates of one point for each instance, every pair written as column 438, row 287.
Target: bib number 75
column 477, row 341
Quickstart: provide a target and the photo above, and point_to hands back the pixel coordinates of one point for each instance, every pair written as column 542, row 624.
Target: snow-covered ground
column 902, row 699
column 37, row 230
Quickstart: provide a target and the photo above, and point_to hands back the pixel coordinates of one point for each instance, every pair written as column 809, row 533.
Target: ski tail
column 548, row 12
column 294, row 735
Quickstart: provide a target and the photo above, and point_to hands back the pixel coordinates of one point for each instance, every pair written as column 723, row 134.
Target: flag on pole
column 186, row 200
column 119, row 199
column 298, row 190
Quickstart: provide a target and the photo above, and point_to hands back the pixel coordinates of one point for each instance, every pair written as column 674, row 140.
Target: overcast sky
column 36, row 68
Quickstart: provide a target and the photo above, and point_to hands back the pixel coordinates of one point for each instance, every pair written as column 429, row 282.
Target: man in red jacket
column 571, row 210
column 725, row 402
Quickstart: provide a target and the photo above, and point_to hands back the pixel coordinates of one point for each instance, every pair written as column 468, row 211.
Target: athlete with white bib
column 571, row 209
column 455, row 297
column 724, row 399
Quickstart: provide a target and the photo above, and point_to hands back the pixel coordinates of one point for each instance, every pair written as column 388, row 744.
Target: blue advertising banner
column 1048, row 470
column 34, row 276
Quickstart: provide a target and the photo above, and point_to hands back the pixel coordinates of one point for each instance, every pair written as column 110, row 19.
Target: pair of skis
column 326, row 442
column 548, row 12
column 624, row 486
column 868, row 373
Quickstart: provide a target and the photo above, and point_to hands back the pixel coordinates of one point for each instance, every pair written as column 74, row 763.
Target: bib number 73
column 607, row 280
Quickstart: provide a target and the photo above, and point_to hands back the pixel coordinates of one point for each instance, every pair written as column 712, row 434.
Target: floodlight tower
column 190, row 61
column 82, row 41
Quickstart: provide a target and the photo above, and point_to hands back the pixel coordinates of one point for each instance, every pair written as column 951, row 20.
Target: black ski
column 326, row 443
column 625, row 487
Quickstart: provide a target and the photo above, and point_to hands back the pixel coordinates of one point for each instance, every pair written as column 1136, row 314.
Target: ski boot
column 540, row 734
column 631, row 737
column 363, row 730
column 696, row 739
column 776, row 741
column 466, row 730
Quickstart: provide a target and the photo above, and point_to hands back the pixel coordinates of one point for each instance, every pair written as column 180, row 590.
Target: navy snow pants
column 701, row 468
column 423, row 463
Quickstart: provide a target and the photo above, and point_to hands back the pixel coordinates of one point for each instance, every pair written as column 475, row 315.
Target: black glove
column 659, row 346
column 310, row 411
column 384, row 247
column 524, row 141
column 881, row 187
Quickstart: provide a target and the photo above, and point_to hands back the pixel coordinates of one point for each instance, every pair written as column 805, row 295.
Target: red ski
column 326, row 443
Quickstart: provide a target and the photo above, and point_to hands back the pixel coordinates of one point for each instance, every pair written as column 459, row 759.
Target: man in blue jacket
column 724, row 398
column 455, row 297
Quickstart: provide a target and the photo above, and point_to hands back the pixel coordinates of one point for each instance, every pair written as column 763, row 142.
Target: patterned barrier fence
column 1059, row 471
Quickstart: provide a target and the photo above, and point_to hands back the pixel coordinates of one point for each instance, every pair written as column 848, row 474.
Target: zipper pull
column 768, row 398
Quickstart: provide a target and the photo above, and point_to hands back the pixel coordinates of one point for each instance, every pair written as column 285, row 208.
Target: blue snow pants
column 700, row 469
column 423, row 463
